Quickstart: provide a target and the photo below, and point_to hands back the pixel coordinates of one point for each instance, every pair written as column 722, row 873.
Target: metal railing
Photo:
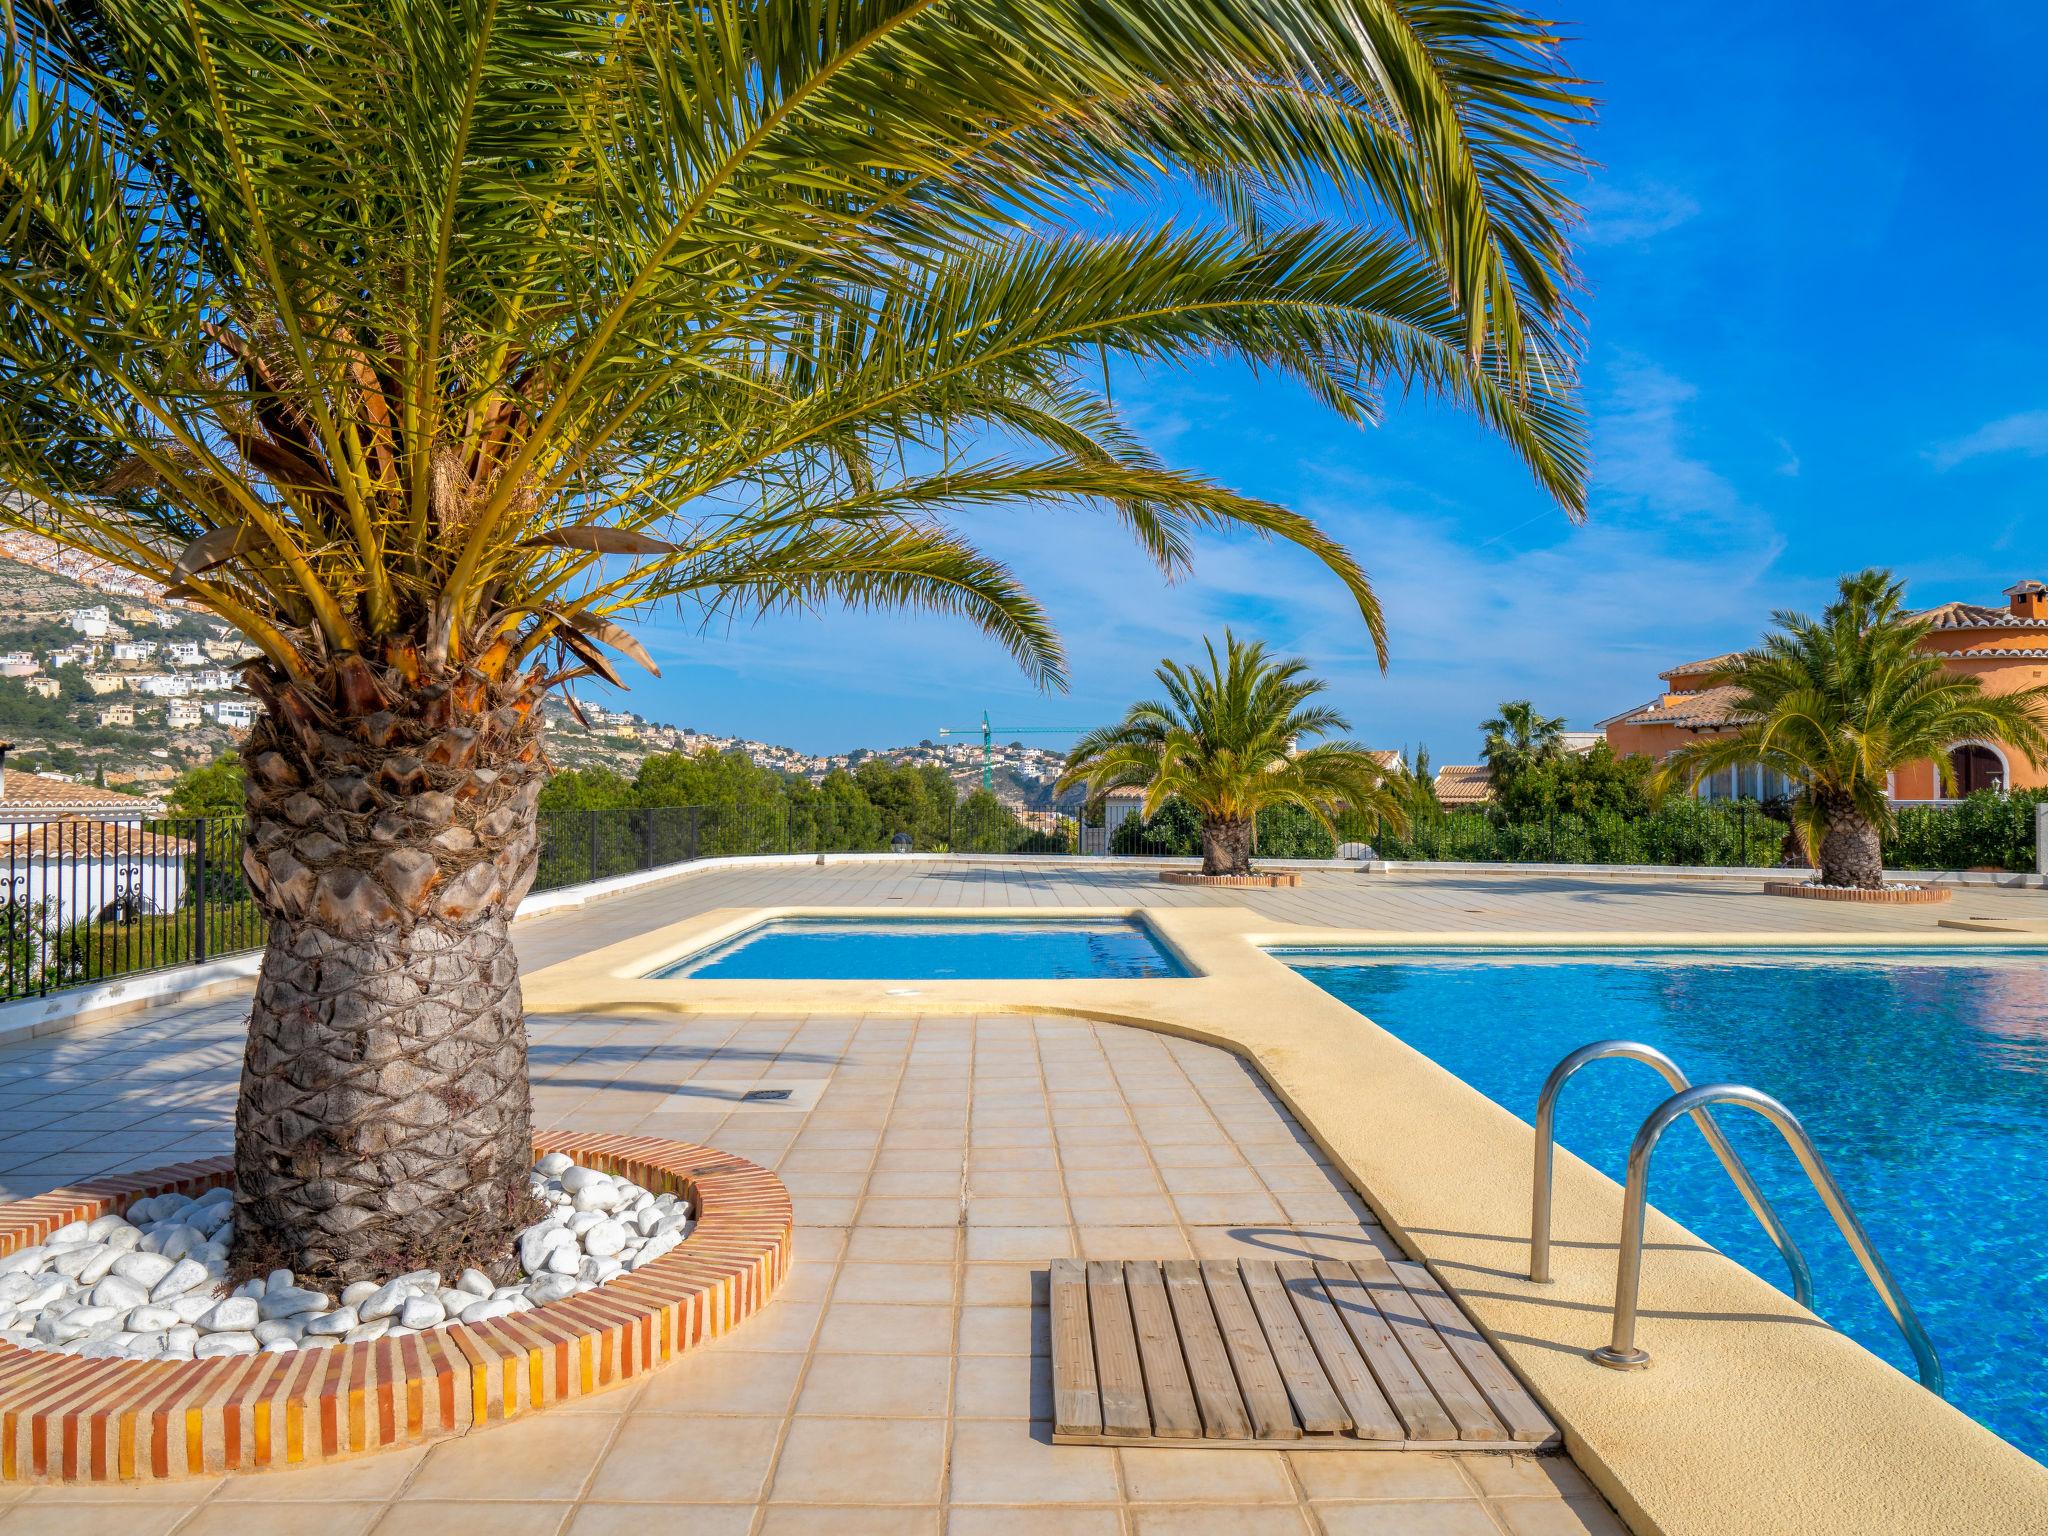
column 1621, row 1352
column 1546, row 1140
column 86, row 900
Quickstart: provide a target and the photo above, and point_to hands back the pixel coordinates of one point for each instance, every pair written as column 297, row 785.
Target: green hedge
column 1986, row 831
column 1683, row 832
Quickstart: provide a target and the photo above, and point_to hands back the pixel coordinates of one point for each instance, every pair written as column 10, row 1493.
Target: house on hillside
column 72, row 853
column 2006, row 647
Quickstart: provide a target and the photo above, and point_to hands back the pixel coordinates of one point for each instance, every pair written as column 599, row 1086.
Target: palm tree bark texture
column 385, row 1119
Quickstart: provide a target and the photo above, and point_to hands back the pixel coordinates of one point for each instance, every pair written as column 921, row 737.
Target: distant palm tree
column 1518, row 737
column 1838, row 703
column 432, row 345
column 1226, row 740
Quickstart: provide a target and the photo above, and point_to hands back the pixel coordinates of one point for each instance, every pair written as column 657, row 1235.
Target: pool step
column 1313, row 1355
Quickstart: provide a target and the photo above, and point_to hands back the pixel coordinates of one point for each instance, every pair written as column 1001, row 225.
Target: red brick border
column 1273, row 879
column 1883, row 896
column 63, row 1419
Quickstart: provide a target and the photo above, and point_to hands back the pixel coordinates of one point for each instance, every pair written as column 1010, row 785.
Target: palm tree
column 1838, row 703
column 429, row 344
column 1227, row 742
column 1518, row 738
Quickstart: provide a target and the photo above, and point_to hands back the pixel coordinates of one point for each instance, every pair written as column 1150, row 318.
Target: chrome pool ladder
column 1621, row 1352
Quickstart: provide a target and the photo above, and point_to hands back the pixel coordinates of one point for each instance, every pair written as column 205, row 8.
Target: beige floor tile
column 859, row 1328
column 723, row 1381
column 876, row 1212
column 984, row 1182
column 1447, row 1517
column 1016, row 1211
column 1002, row 1387
column 902, row 1245
column 1541, row 1476
column 930, row 1284
column 546, row 1457
column 1380, row 1475
column 1157, row 1475
column 645, row 1520
column 861, row 1461
column 304, row 1517
column 910, row 1386
column 428, row 1517
column 1015, row 1462
column 1025, row 1245
column 1004, row 1331
column 1136, row 1179
column 1123, row 1211
column 783, row 1325
column 816, row 1520
column 1134, row 1243
column 664, row 1460
column 1035, row 1520
column 922, row 1184
column 1219, row 1520
column 373, row 1478
column 1003, row 1285
column 1558, row 1517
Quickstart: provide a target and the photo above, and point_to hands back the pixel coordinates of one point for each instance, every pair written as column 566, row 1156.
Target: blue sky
column 1815, row 342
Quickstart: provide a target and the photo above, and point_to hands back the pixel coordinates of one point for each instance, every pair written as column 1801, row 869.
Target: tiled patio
column 899, row 1384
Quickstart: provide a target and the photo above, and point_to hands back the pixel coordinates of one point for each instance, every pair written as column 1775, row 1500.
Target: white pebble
column 356, row 1290
column 475, row 1281
column 422, row 1312
column 182, row 1277
column 238, row 1314
column 332, row 1324
column 604, row 1240
column 226, row 1344
column 143, row 1268
column 554, row 1165
column 383, row 1301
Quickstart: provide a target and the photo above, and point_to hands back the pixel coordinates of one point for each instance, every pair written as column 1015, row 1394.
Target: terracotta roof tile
column 1708, row 707
column 1463, row 784
column 33, row 792
column 1975, row 616
column 1721, row 663
column 79, row 837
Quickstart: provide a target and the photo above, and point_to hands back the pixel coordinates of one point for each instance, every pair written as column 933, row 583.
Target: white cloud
column 1631, row 212
column 2024, row 433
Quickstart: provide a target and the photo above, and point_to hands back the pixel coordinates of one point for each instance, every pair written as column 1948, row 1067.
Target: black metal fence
column 84, row 901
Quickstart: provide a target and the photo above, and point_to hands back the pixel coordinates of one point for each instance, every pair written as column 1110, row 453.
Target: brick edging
column 1270, row 880
column 68, row 1420
column 1884, row 896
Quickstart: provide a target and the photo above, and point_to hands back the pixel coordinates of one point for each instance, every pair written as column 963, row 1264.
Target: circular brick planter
column 1278, row 878
column 1884, row 896
column 63, row 1419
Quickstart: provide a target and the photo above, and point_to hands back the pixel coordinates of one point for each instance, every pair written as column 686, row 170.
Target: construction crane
column 988, row 740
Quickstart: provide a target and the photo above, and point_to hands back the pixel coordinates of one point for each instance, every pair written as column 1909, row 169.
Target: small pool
column 1922, row 1077
column 934, row 949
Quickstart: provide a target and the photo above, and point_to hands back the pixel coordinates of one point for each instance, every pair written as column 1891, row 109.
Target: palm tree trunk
column 385, row 1117
column 1227, row 847
column 1851, row 852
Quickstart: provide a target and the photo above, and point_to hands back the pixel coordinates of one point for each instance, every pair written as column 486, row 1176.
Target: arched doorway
column 1976, row 767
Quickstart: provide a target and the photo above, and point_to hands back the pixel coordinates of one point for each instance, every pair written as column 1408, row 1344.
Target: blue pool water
column 933, row 949
column 1923, row 1079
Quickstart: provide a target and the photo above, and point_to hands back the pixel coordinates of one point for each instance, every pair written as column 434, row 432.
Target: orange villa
column 2006, row 647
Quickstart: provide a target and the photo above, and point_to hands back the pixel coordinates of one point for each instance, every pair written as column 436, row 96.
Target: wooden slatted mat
column 1325, row 1355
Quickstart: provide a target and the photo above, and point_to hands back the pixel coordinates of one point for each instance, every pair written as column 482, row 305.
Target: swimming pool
column 1922, row 1077
column 934, row 949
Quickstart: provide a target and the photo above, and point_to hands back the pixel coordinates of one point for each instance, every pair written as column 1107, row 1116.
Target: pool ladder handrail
column 1621, row 1352
column 1546, row 1139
